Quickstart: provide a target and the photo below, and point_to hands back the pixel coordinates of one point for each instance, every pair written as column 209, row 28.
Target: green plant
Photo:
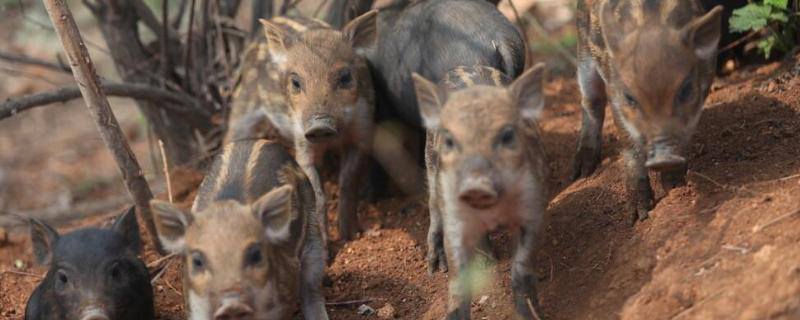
column 775, row 17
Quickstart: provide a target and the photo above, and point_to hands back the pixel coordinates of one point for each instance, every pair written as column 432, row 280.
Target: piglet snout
column 232, row 308
column 478, row 193
column 94, row 314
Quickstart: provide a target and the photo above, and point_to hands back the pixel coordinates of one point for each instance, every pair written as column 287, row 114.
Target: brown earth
column 725, row 246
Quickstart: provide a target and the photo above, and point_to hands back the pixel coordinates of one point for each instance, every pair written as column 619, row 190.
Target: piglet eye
column 449, row 143
column 686, row 92
column 630, row 100
column 198, row 262
column 61, row 280
column 115, row 272
column 295, row 83
column 253, row 255
column 345, row 78
column 507, row 138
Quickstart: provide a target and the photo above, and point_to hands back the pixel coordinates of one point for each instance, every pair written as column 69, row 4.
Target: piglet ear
column 276, row 37
column 703, row 34
column 363, row 30
column 171, row 224
column 43, row 238
column 274, row 210
column 127, row 226
column 430, row 98
column 613, row 30
column 527, row 92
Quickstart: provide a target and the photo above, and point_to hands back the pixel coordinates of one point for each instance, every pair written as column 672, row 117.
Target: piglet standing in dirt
column 251, row 245
column 311, row 87
column 486, row 168
column 94, row 274
column 655, row 62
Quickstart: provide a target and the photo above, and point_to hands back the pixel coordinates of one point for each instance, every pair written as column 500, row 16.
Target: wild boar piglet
column 251, row 246
column 655, row 62
column 94, row 274
column 308, row 85
column 486, row 168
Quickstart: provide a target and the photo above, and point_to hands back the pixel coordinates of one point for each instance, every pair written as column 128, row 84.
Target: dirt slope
column 723, row 247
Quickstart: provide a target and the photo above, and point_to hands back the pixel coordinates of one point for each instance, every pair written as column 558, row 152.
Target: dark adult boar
column 433, row 37
column 94, row 274
column 486, row 168
column 308, row 86
column 655, row 61
column 251, row 245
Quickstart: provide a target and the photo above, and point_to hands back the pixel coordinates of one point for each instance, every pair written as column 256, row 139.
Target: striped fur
column 233, row 213
column 654, row 61
column 468, row 76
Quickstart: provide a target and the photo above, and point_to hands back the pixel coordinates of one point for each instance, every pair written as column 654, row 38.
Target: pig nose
column 232, row 308
column 320, row 128
column 94, row 314
column 663, row 157
column 479, row 195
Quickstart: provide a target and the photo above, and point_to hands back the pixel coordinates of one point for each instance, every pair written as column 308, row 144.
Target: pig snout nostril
column 94, row 314
column 479, row 198
column 233, row 310
column 660, row 161
column 318, row 133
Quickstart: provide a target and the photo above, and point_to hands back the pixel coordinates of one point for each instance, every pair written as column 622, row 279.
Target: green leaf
column 779, row 16
column 781, row 4
column 766, row 45
column 750, row 17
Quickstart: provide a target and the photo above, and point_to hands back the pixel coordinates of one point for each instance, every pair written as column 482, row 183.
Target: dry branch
column 19, row 58
column 179, row 102
column 86, row 76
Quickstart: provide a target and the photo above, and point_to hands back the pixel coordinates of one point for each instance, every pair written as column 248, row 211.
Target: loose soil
column 725, row 246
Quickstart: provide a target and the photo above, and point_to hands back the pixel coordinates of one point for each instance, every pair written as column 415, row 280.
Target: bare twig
column 166, row 170
column 176, row 24
column 180, row 102
column 187, row 57
column 150, row 20
column 21, row 273
column 741, row 40
column 161, row 260
column 533, row 311
column 348, row 303
column 720, row 185
column 165, row 35
column 524, row 31
column 86, row 76
column 161, row 271
column 780, row 218
column 20, row 58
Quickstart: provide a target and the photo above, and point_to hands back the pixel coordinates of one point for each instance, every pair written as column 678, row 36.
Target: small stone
column 387, row 312
column 365, row 310
column 19, row 264
column 483, row 300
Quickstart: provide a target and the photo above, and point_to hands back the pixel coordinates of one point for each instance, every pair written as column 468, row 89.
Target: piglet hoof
column 673, row 179
column 586, row 162
column 640, row 210
column 436, row 260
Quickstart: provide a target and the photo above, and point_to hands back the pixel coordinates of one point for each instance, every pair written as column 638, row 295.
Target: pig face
column 231, row 261
column 483, row 135
column 94, row 274
column 659, row 79
column 324, row 78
